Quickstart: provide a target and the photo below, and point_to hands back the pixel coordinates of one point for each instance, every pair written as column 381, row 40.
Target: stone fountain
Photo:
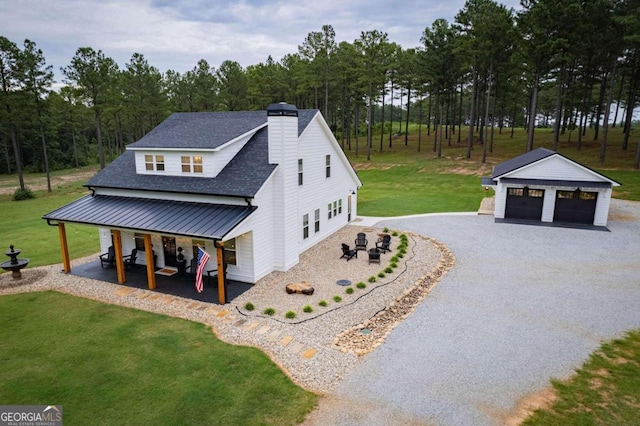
column 14, row 265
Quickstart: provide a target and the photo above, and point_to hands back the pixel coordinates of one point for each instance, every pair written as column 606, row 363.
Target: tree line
column 564, row 63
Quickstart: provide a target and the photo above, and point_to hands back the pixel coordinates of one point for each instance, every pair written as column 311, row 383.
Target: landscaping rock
column 301, row 287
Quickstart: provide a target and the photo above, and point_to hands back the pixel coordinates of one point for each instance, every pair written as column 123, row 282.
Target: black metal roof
column 200, row 220
column 243, row 176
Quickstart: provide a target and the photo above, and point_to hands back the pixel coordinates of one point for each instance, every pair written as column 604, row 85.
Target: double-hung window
column 317, row 220
column 305, row 226
column 154, row 162
column 300, row 171
column 328, row 166
column 191, row 164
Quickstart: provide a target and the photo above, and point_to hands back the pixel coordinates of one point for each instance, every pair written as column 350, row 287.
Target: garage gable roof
column 200, row 220
column 526, row 167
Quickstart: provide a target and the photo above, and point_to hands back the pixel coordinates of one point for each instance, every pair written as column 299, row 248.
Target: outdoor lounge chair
column 130, row 259
column 384, row 243
column 109, row 257
column 374, row 255
column 361, row 241
column 348, row 253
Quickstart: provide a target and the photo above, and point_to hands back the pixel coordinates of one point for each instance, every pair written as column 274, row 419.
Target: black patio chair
column 190, row 270
column 361, row 241
column 374, row 255
column 108, row 258
column 130, row 259
column 384, row 243
column 348, row 253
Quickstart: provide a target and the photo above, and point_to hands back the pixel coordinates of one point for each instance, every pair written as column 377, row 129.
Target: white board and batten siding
column 317, row 190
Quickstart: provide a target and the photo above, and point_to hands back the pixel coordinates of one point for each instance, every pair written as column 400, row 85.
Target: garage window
column 536, row 193
column 517, row 192
column 564, row 195
column 588, row 195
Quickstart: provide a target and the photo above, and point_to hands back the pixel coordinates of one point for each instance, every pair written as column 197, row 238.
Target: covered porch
column 149, row 218
column 176, row 285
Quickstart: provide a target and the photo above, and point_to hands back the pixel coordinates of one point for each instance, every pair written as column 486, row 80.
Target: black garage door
column 575, row 206
column 524, row 203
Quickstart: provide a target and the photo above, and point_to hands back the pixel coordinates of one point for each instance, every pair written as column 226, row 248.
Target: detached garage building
column 545, row 186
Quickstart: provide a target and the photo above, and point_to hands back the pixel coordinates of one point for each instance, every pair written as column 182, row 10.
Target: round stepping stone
column 343, row 282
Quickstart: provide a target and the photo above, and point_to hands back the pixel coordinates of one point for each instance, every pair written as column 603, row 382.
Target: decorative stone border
column 365, row 337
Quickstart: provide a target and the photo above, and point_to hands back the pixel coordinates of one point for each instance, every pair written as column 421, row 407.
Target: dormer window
column 154, row 162
column 192, row 164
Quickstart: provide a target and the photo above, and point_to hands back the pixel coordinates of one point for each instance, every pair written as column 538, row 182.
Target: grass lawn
column 605, row 391
column 111, row 365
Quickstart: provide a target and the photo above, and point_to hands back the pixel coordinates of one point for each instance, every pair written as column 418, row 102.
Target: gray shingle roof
column 201, row 130
column 242, row 177
column 521, row 161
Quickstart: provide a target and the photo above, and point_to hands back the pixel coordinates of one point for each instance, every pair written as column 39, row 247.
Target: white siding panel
column 260, row 229
column 500, row 201
column 556, row 168
column 243, row 271
column 318, row 190
column 174, row 196
column 602, row 207
column 548, row 204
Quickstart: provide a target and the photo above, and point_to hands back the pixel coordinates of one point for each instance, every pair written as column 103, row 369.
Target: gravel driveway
column 523, row 304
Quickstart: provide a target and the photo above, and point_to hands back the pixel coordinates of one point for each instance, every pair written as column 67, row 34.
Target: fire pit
column 14, row 265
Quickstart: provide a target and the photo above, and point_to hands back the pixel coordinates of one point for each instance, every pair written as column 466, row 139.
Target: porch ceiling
column 209, row 221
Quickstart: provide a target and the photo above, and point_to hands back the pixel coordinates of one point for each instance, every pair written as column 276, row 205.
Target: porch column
column 221, row 273
column 66, row 263
column 117, row 247
column 151, row 273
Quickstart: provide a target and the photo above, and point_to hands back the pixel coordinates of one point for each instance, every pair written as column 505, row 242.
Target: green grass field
column 117, row 366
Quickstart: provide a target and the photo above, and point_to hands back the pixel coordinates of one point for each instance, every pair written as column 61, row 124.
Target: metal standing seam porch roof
column 200, row 220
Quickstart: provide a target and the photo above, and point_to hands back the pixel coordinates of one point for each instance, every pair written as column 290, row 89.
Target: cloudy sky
column 175, row 34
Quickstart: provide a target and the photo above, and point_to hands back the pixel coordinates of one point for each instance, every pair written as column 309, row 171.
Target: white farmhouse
column 253, row 188
column 545, row 186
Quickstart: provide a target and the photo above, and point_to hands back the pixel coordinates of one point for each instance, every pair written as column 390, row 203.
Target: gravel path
column 523, row 304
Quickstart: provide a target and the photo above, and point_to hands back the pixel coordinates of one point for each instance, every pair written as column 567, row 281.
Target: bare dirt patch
column 8, row 185
column 528, row 404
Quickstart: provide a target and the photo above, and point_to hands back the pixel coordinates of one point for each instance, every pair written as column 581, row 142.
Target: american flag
column 203, row 258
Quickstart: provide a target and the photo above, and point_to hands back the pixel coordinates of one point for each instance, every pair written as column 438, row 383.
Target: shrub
column 249, row 306
column 290, row 315
column 337, row 299
column 388, row 269
column 361, row 285
column 394, row 259
column 394, row 233
column 322, row 303
column 372, row 279
column 23, row 194
column 393, row 265
column 269, row 311
column 308, row 309
column 385, row 230
column 381, row 274
column 349, row 290
column 404, row 237
column 400, row 255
